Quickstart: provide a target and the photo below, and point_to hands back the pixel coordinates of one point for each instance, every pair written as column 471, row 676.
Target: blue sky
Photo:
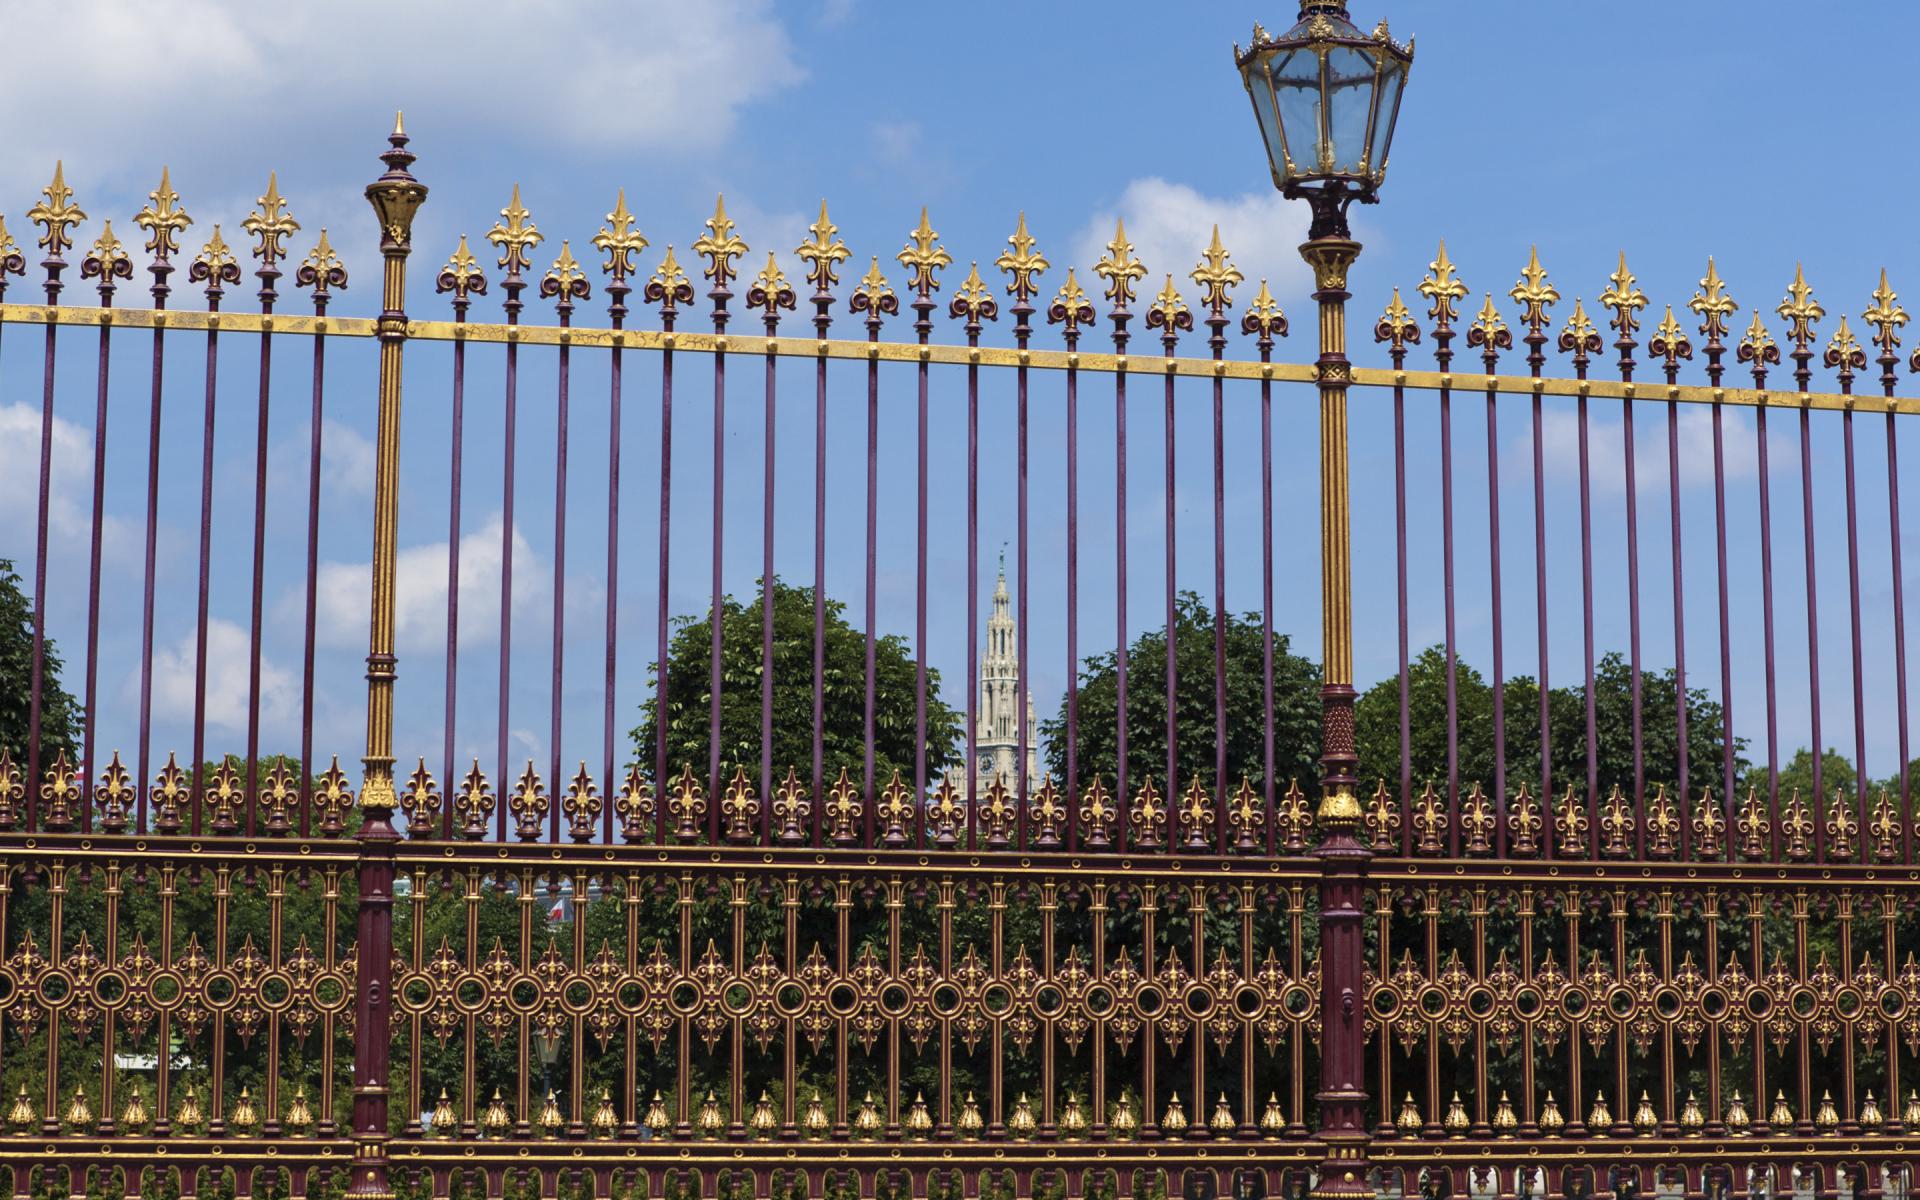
column 1670, row 131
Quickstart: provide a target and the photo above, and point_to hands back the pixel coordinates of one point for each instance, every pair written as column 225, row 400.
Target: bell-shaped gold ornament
column 813, row 1119
column 710, row 1121
column 1645, row 1120
column 1273, row 1122
column 1739, row 1120
column 244, row 1116
column 550, row 1119
column 1910, row 1113
column 1073, row 1119
column 1022, row 1124
column 21, row 1114
column 1692, row 1117
column 1552, row 1120
column 1826, row 1116
column 971, row 1124
column 1870, row 1115
column 1122, row 1121
column 444, row 1116
column 188, row 1115
column 299, row 1116
column 1408, row 1122
column 657, row 1120
column 133, row 1114
column 763, row 1122
column 604, row 1121
column 919, row 1120
column 79, row 1112
column 1221, row 1122
column 1504, row 1120
column 1173, row 1122
column 1781, row 1116
column 866, row 1119
column 1455, row 1122
column 496, row 1121
column 1599, row 1117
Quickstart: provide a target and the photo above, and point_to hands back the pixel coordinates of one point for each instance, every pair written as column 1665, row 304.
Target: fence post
column 395, row 197
column 1343, row 859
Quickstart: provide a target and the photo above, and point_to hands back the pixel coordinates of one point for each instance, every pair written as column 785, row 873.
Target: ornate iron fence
column 803, row 977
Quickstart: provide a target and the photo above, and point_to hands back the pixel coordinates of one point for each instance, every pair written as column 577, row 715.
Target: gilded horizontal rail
column 1452, row 871
column 909, row 352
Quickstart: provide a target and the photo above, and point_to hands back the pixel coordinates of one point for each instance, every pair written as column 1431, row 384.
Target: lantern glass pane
column 1295, row 79
column 1350, row 84
column 1393, row 78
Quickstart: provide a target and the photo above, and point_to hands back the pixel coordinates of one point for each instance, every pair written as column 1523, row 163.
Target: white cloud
column 346, row 459
column 228, row 656
column 70, row 498
column 420, row 591
column 1560, row 447
column 1170, row 224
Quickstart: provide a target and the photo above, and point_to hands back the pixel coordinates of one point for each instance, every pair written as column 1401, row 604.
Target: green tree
column 1296, row 707
column 689, row 695
column 59, row 712
column 1377, row 729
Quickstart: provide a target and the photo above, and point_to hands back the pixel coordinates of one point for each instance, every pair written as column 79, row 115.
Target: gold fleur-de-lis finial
column 873, row 296
column 215, row 264
column 669, row 285
column 922, row 256
column 1844, row 352
column 619, row 241
column 973, row 301
column 1534, row 294
column 515, row 235
column 1885, row 316
column 1444, row 288
column 107, row 260
column 1070, row 308
column 770, row 291
column 1670, row 342
column 462, row 275
column 1216, row 277
column 1120, row 268
column 163, row 219
column 1800, row 309
column 1488, row 329
column 56, row 213
column 1625, row 298
column 823, row 252
column 1396, row 326
column 1022, row 262
column 1712, row 304
column 1264, row 318
column 1168, row 313
column 1757, row 347
column 322, row 269
column 719, row 245
column 1579, row 336
column 270, row 224
column 564, row 281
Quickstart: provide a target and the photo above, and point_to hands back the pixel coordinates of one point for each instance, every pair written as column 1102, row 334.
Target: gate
column 847, row 976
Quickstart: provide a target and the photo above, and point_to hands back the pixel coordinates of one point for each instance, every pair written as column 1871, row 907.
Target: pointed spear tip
column 399, row 123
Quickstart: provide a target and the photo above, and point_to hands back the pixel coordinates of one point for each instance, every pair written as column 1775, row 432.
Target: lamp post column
column 1343, row 859
column 395, row 197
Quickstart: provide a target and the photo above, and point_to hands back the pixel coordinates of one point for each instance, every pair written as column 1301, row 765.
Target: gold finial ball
column 1826, row 1116
column 970, row 1124
column 657, row 1119
column 1691, row 1116
column 710, row 1121
column 1738, row 1119
column 1599, row 1117
column 1222, row 1122
column 550, row 1118
column 1552, row 1120
column 1173, row 1122
column 1644, row 1118
column 1022, row 1124
column 604, row 1121
column 1455, row 1122
column 919, row 1120
column 813, row 1120
column 444, row 1117
column 1273, row 1121
column 866, row 1119
column 1408, row 1122
column 299, row 1113
column 764, row 1121
column 1781, row 1116
column 497, row 1120
column 1504, row 1120
column 1122, row 1120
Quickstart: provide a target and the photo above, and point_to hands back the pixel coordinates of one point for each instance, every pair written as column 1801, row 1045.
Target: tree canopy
column 60, row 713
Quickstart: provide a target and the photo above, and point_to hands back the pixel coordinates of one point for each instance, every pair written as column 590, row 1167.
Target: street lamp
column 1326, row 96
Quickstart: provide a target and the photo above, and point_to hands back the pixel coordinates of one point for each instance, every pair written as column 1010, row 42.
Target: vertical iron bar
column 922, row 327
column 463, row 278
column 1491, row 334
column 1899, row 624
column 669, row 289
column 1818, row 800
column 55, row 221
column 214, row 267
column 618, row 288
column 1853, row 596
column 514, row 260
column 269, row 275
column 322, row 272
column 1070, row 308
column 161, row 227
column 564, row 283
column 108, row 262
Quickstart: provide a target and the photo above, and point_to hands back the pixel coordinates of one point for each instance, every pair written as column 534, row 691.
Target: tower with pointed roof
column 1002, row 706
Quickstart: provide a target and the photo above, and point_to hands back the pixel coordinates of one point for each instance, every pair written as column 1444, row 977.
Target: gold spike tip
column 399, row 123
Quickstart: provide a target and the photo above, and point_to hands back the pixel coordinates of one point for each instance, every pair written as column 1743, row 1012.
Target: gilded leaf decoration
column 1120, row 268
column 619, row 240
column 1022, row 262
